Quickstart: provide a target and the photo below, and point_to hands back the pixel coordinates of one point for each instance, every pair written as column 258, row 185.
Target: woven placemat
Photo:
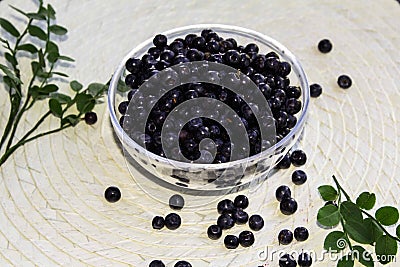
column 52, row 209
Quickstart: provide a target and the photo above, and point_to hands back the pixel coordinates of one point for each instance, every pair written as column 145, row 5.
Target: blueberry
column 180, row 59
column 182, row 264
column 244, row 61
column 214, row 232
column 246, row 239
column 293, row 92
column 199, row 43
column 285, row 237
column 324, row 46
column 225, row 206
column 176, row 202
column 285, row 162
column 202, row 132
column 156, row 263
column 162, row 65
column 176, row 47
column 217, row 58
column 160, row 40
column 315, row 90
column 194, row 55
column 265, row 89
column 133, row 65
column 233, row 42
column 240, row 216
column 231, row 241
column 280, row 82
column 189, row 39
column 281, row 119
column 301, row 233
column 291, row 122
column 258, row 78
column 123, row 106
column 298, row 158
column 90, row 117
column 282, row 192
column 154, row 51
column 112, row 194
column 274, row 103
column 167, row 55
column 215, row 131
column 288, row 206
column 172, row 221
column 232, row 58
column 241, row 201
column 225, row 221
column 212, row 36
column 256, row 222
column 284, row 69
column 225, row 46
column 205, row 32
column 287, row 261
column 272, row 54
column 251, row 48
column 158, row 222
column 304, row 260
column 259, row 63
column 344, row 81
column 293, row 106
column 299, row 177
column 273, row 64
column 212, row 46
column 130, row 80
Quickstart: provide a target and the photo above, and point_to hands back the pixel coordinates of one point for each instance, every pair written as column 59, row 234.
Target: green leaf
column 70, row 119
column 51, row 12
column 386, row 249
column 328, row 193
column 53, row 57
column 363, row 256
column 41, row 59
column 36, row 67
column 346, row 261
column 335, row 241
column 96, row 89
column 44, row 75
column 37, row 32
column 58, row 30
column 76, row 86
column 49, row 88
column 366, row 200
column 61, row 98
column 19, row 10
column 43, row 11
column 52, row 47
column 36, row 16
column 398, row 231
column 387, row 215
column 28, row 47
column 10, row 74
column 328, row 215
column 55, row 107
column 350, row 211
column 8, row 27
column 84, row 103
column 65, row 58
column 60, row 74
column 11, row 59
column 377, row 232
column 359, row 231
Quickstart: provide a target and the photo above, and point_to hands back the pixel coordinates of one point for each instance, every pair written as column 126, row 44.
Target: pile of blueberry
column 267, row 71
column 233, row 213
column 172, row 221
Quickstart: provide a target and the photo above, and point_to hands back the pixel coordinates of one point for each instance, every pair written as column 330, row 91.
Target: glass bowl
column 233, row 175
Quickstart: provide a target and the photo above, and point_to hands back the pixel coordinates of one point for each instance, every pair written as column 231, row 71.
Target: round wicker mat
column 52, row 207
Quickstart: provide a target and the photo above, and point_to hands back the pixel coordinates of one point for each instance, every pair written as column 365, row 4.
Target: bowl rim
column 266, row 40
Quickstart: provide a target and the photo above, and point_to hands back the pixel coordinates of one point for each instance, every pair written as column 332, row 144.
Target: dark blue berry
column 285, row 237
column 176, row 202
column 130, row 80
column 284, row 69
column 293, row 92
column 240, row 216
column 232, row 58
column 293, row 106
column 244, row 61
column 154, row 51
column 287, row 261
column 280, row 82
column 225, row 206
column 233, row 42
column 160, row 40
column 288, row 206
column 298, row 158
column 212, row 46
column 90, row 118
column 231, row 241
column 179, row 59
column 214, row 232
column 265, row 89
column 212, row 36
column 225, row 221
column 123, row 106
column 291, row 121
column 246, row 239
column 315, row 90
column 167, row 55
column 194, row 55
column 205, row 32
column 299, row 177
column 241, row 201
column 189, row 38
column 202, row 132
column 281, row 119
column 112, row 194
column 225, row 46
column 215, row 131
column 156, row 263
column 161, row 65
column 285, row 162
column 301, row 233
column 272, row 54
column 251, row 48
column 344, row 81
column 199, row 43
column 172, row 221
column 282, row 192
column 182, row 264
column 258, row 78
column 256, row 222
column 272, row 64
column 324, row 46
column 133, row 65
column 217, row 58
column 158, row 222
column 176, row 46
column 304, row 260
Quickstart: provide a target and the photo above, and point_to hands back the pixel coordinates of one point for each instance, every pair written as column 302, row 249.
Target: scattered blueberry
column 285, row 237
column 225, row 221
column 231, row 241
column 315, row 90
column 299, row 177
column 304, row 260
column 324, row 46
column 344, row 81
column 301, row 233
column 90, row 118
column 256, row 222
column 246, row 239
column 240, row 216
column 287, row 261
column 112, row 194
column 288, row 206
column 241, row 201
column 176, row 202
column 156, row 263
column 182, row 264
column 285, row 162
column 158, row 222
column 225, row 206
column 172, row 221
column 214, row 232
column 282, row 192
column 298, row 158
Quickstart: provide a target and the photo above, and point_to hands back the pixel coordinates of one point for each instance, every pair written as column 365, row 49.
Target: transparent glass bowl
column 225, row 176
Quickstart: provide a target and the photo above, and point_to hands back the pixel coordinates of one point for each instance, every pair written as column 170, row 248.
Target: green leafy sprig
column 357, row 225
column 37, row 39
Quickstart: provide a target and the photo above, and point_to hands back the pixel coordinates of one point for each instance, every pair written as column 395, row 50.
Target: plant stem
column 340, row 188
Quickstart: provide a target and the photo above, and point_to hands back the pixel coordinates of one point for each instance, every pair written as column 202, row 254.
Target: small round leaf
column 328, row 193
column 58, row 30
column 335, row 241
column 37, row 32
column 366, row 200
column 386, row 249
column 76, row 86
column 328, row 215
column 387, row 215
column 55, row 108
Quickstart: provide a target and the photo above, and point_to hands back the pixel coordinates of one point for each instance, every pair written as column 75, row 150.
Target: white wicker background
column 52, row 209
